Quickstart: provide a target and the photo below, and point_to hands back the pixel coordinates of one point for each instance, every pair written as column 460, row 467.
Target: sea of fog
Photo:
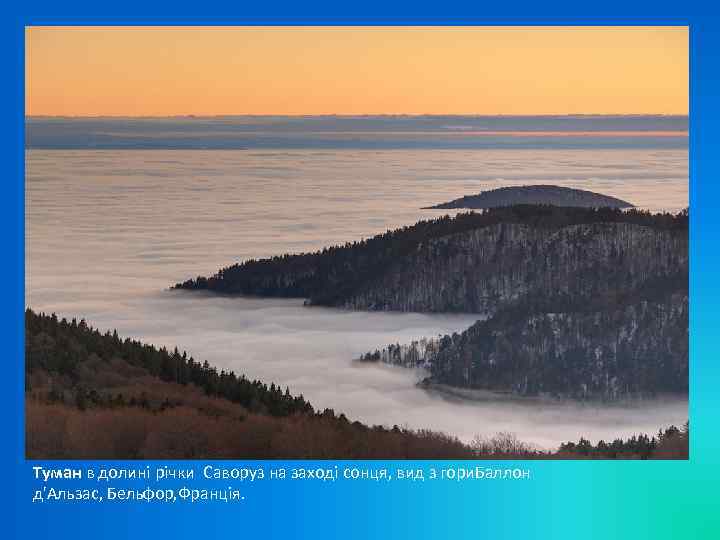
column 109, row 230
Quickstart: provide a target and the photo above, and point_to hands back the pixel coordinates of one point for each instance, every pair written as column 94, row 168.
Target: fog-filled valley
column 109, row 231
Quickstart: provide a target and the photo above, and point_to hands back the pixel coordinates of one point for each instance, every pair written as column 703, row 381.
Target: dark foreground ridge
column 91, row 395
column 543, row 194
column 582, row 303
column 474, row 262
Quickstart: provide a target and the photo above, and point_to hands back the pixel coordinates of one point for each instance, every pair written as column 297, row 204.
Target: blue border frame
column 562, row 500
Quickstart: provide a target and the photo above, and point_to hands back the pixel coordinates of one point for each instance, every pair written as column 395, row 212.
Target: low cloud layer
column 107, row 232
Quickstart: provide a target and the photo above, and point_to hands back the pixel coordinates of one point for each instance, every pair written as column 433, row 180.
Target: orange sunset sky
column 165, row 71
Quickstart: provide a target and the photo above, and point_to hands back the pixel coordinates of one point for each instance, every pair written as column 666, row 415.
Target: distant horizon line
column 363, row 115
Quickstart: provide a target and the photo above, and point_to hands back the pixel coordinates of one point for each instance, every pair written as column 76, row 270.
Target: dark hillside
column 460, row 263
column 542, row 194
column 91, row 395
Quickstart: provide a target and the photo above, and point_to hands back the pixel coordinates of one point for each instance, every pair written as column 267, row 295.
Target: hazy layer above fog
column 108, row 231
column 359, row 132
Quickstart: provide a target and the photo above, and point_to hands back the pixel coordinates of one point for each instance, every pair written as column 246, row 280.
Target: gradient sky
column 151, row 71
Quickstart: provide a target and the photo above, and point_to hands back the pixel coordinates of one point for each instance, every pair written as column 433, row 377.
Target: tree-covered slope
column 541, row 194
column 81, row 361
column 93, row 395
column 474, row 261
column 496, row 266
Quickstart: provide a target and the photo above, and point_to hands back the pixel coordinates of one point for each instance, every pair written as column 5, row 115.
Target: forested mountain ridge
column 76, row 357
column 470, row 262
column 93, row 395
column 492, row 267
column 582, row 303
column 634, row 350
